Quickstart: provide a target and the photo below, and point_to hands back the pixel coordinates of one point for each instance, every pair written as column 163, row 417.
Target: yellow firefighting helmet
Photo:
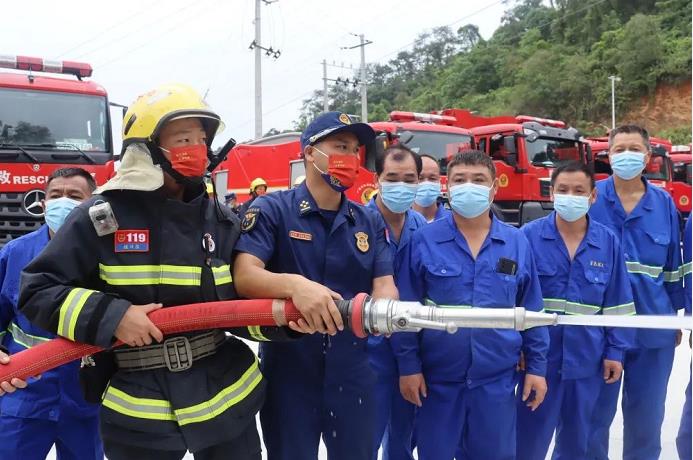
column 258, row 181
column 151, row 111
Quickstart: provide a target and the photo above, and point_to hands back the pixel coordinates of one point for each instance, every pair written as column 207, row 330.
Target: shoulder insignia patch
column 249, row 219
column 362, row 241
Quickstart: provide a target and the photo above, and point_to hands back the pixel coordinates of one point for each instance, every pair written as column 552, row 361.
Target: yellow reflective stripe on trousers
column 225, row 399
column 642, row 269
column 24, row 339
column 151, row 409
column 142, row 275
column 625, row 309
column 222, row 275
column 570, row 308
column 70, row 310
column 256, row 333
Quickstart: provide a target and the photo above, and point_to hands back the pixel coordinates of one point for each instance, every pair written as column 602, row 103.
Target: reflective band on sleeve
column 675, row 276
column 570, row 308
column 70, row 310
column 152, row 409
column 256, row 333
column 222, row 275
column 626, row 309
column 142, row 275
column 22, row 338
column 686, row 269
column 225, row 399
column 642, row 269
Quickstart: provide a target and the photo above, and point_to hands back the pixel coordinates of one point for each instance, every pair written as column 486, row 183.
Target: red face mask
column 189, row 160
column 342, row 170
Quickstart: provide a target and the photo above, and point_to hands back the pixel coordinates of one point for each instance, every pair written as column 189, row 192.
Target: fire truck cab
column 525, row 150
column 47, row 123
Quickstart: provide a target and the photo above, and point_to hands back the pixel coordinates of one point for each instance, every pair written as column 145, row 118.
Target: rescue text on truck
column 47, row 123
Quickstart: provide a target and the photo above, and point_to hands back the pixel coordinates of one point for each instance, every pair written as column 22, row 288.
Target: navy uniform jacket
column 57, row 393
column 594, row 282
column 442, row 270
column 381, row 356
column 343, row 250
column 650, row 241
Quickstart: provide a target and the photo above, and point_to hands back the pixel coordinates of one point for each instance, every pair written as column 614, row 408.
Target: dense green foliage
column 550, row 60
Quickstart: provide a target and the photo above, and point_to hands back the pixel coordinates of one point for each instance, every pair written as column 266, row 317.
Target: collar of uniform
column 306, row 205
column 645, row 201
column 497, row 231
column 549, row 230
column 44, row 234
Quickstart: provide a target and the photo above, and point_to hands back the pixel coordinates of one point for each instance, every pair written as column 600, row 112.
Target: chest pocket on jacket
column 654, row 248
column 592, row 291
column 443, row 281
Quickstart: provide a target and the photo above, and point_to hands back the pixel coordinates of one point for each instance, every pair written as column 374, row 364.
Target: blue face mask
column 57, row 211
column 398, row 196
column 628, row 165
column 571, row 207
column 427, row 194
column 470, row 200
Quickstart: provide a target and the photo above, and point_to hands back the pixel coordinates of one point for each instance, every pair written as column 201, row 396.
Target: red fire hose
column 175, row 320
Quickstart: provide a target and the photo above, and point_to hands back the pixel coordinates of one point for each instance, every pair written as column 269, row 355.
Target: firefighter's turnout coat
column 81, row 285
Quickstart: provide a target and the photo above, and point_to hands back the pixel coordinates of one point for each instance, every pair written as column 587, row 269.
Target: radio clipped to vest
column 102, row 218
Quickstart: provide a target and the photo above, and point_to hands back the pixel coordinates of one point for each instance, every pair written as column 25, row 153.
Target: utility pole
column 257, row 46
column 613, row 79
column 258, row 72
column 364, row 88
column 338, row 80
column 325, row 103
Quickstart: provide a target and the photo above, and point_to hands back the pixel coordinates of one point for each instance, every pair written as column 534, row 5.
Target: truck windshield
column 439, row 145
column 55, row 121
column 551, row 152
column 658, row 167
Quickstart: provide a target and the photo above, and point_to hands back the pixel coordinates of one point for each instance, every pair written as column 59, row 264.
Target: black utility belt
column 175, row 353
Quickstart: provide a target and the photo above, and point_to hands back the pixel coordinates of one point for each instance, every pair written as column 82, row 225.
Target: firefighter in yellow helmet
column 152, row 238
column 258, row 187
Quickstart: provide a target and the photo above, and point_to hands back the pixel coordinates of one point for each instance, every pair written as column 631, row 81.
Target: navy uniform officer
column 397, row 172
column 468, row 379
column 582, row 272
column 313, row 245
column 645, row 219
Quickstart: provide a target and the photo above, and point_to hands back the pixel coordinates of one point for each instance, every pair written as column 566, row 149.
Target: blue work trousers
column 567, row 410
column 476, row 423
column 645, row 379
column 32, row 439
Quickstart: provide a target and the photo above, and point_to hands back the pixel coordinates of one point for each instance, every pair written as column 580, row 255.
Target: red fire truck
column 277, row 158
column 525, row 149
column 47, row 123
column 659, row 170
column 681, row 159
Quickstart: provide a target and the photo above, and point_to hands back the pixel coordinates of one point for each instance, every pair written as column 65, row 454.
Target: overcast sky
column 135, row 45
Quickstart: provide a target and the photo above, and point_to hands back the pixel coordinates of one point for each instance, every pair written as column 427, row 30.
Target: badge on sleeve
column 249, row 219
column 362, row 241
column 131, row 241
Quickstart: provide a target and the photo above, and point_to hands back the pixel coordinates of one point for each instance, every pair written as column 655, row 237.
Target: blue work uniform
column 50, row 410
column 320, row 384
column 683, row 440
column 594, row 282
column 394, row 415
column 650, row 241
column 470, row 375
